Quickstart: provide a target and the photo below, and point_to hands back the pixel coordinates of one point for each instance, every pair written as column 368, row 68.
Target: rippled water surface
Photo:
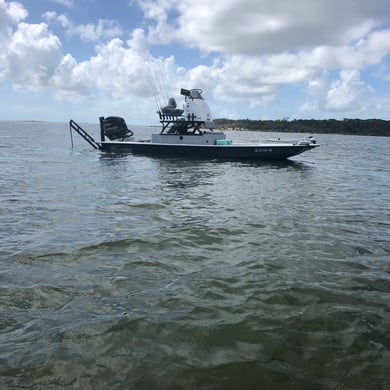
column 129, row 272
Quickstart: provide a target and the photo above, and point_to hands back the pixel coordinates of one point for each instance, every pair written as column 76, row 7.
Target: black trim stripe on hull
column 252, row 152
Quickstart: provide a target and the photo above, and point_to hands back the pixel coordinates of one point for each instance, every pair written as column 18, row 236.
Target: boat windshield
column 196, row 94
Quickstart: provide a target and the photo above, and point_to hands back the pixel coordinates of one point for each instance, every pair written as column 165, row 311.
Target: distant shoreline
column 27, row 121
column 369, row 127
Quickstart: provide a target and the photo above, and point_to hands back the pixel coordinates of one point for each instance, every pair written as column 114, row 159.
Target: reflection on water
column 135, row 272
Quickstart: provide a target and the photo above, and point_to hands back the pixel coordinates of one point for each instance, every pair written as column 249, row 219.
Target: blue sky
column 257, row 59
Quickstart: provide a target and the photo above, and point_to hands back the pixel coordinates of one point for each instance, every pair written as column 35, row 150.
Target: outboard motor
column 114, row 128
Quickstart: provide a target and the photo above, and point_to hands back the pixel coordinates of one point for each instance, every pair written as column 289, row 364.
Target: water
column 131, row 272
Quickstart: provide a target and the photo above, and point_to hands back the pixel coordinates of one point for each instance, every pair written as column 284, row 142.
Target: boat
column 188, row 132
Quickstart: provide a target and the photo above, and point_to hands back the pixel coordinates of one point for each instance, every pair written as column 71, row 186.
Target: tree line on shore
column 373, row 127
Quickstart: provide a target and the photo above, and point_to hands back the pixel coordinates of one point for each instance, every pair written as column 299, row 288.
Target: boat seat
column 170, row 110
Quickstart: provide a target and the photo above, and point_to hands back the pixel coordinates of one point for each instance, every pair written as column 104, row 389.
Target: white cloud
column 31, row 57
column 346, row 93
column 317, row 89
column 262, row 45
column 103, row 29
column 256, row 46
column 51, row 16
column 69, row 81
column 117, row 70
column 251, row 27
column 66, row 3
column 12, row 12
column 366, row 52
column 163, row 29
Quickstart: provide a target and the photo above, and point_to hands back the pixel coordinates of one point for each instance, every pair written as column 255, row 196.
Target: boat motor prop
column 307, row 141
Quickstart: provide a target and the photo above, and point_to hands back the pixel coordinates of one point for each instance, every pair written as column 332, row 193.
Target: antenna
column 154, row 90
column 157, row 82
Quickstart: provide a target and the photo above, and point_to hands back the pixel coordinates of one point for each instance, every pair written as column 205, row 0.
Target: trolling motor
column 307, row 141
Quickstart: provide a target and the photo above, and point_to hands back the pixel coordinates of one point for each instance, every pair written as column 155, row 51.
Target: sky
column 256, row 59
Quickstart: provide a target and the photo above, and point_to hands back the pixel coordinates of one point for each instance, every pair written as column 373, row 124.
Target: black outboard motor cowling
column 115, row 127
